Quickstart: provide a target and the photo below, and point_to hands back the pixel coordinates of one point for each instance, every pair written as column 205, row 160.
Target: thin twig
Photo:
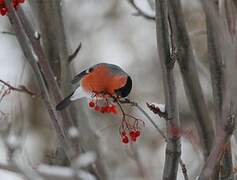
column 20, row 89
column 140, row 12
column 75, row 53
column 135, row 104
column 156, row 110
column 8, row 33
column 183, row 168
column 151, row 121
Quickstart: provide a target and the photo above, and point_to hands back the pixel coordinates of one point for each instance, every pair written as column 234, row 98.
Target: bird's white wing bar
column 79, row 93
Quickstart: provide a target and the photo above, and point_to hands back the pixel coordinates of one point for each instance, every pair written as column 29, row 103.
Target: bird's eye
column 89, row 70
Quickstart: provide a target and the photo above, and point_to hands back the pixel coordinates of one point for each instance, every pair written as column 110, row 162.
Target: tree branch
column 50, row 22
column 140, row 12
column 63, row 119
column 222, row 57
column 55, row 45
column 190, row 77
column 74, row 54
column 47, row 15
column 32, row 56
column 218, row 82
column 21, row 88
column 173, row 149
column 228, row 11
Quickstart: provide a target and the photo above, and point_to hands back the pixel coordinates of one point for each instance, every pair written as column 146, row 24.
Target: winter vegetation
column 179, row 120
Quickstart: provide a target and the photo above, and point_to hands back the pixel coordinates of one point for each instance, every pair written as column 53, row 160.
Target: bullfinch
column 102, row 78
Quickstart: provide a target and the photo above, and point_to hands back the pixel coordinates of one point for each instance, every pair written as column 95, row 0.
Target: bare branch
column 55, row 46
column 74, row 54
column 222, row 56
column 218, row 82
column 156, row 110
column 189, row 73
column 27, row 49
column 228, row 11
column 20, row 89
column 190, row 77
column 153, row 123
column 8, row 33
column 140, row 12
column 183, row 168
column 173, row 149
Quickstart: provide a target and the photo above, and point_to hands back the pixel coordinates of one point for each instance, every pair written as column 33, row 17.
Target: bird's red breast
column 101, row 79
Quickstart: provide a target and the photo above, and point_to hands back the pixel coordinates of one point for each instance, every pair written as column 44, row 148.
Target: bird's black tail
column 64, row 103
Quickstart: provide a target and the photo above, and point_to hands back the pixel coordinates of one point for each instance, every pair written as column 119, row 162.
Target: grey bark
column 173, row 148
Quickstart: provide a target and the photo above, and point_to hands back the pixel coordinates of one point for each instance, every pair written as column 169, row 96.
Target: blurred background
column 111, row 32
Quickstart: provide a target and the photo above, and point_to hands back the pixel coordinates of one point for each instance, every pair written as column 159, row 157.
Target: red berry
column 133, row 138
column 107, row 109
column 21, row 1
column 113, row 109
column 132, row 134
column 102, row 110
column 91, row 104
column 3, row 11
column 15, row 3
column 137, row 133
column 97, row 108
column 125, row 140
column 124, row 133
column 2, row 1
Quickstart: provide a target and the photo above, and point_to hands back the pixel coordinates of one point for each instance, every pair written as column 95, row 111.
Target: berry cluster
column 133, row 134
column 4, row 8
column 130, row 128
column 108, row 107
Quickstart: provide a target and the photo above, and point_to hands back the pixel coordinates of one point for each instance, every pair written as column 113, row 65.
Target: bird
column 101, row 78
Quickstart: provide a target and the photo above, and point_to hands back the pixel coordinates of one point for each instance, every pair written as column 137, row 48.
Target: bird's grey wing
column 78, row 77
column 116, row 70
